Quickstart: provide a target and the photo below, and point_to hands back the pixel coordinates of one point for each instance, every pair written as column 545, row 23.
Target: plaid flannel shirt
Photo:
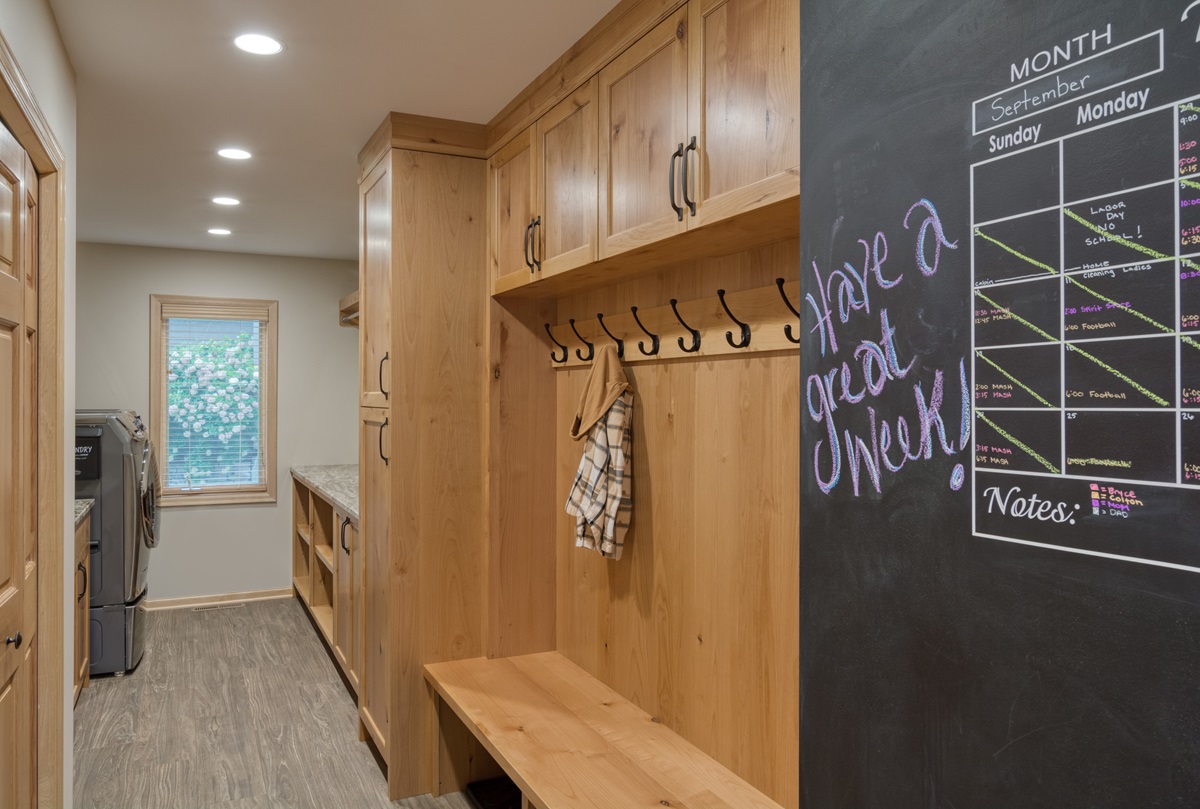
column 601, row 496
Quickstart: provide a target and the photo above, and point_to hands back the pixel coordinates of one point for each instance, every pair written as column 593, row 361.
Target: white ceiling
column 161, row 87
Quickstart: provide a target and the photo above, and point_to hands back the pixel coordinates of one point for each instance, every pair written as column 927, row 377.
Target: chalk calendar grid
column 1085, row 279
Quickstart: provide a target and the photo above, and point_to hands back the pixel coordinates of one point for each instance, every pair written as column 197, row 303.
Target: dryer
column 116, row 465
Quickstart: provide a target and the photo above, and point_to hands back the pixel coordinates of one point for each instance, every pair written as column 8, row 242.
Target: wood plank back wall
column 698, row 623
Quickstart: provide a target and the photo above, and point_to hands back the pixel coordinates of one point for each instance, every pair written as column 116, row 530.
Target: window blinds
column 214, row 358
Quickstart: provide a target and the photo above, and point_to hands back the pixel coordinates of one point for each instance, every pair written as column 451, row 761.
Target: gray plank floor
column 236, row 708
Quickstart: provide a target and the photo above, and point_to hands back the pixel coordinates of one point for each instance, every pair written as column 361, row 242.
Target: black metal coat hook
column 745, row 341
column 787, row 330
column 620, row 343
column 695, row 334
column 591, row 348
column 642, row 343
column 553, row 358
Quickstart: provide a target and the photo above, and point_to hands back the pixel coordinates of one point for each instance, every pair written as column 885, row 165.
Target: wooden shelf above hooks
column 348, row 310
column 763, row 309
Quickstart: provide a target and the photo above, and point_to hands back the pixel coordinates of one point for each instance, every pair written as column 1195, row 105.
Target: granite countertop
column 336, row 483
column 82, row 507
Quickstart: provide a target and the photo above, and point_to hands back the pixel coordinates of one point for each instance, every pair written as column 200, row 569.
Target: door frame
column 20, row 111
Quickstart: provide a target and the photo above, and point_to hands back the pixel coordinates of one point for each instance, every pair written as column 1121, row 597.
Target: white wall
column 207, row 550
column 29, row 28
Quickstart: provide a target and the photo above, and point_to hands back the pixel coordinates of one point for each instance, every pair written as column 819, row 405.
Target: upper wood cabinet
column 511, row 195
column 375, row 285
column 542, row 195
column 643, row 123
column 744, row 105
column 700, row 121
column 565, row 178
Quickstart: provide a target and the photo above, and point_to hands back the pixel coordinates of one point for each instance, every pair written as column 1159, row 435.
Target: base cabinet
column 347, row 599
column 83, row 597
column 319, row 530
column 375, row 514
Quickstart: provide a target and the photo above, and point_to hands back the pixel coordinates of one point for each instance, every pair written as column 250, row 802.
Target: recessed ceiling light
column 226, row 201
column 259, row 44
column 219, row 231
column 235, row 154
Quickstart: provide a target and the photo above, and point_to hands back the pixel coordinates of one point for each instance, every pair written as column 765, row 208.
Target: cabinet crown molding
column 421, row 133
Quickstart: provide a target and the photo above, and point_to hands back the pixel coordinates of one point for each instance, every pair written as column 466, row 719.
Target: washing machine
column 116, row 465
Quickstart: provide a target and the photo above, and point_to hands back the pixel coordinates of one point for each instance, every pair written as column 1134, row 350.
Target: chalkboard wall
column 1000, row 564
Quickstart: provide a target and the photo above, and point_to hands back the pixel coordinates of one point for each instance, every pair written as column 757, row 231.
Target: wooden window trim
column 220, row 308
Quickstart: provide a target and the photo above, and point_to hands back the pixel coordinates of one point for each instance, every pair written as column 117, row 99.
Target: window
column 212, row 386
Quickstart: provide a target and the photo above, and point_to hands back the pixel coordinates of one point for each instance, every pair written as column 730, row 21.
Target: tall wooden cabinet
column 422, row 205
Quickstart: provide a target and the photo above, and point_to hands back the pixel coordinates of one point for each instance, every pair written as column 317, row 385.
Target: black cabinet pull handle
column 528, row 231
column 381, row 455
column 14, row 641
column 345, row 522
column 382, row 360
column 534, row 225
column 691, row 203
column 82, row 569
column 678, row 153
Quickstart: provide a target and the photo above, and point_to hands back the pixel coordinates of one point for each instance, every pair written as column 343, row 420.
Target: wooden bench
column 569, row 741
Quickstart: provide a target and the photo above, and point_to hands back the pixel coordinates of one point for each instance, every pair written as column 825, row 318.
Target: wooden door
column 346, row 598
column 375, row 285
column 17, row 677
column 566, row 159
column 744, row 105
column 643, row 125
column 374, row 514
column 511, row 209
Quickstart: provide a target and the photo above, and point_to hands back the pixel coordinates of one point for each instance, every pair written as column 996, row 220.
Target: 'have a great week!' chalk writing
column 866, row 370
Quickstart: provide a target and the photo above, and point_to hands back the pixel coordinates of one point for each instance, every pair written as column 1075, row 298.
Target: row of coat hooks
column 753, row 320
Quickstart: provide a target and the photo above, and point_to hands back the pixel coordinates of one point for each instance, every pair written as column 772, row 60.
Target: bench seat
column 570, row 742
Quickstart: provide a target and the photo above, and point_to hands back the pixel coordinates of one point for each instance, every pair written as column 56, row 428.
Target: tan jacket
column 601, row 495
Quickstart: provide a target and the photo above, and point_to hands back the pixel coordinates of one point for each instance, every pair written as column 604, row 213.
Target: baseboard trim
column 224, row 598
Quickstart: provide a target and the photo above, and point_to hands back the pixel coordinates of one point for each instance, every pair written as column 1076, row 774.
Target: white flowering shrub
column 212, row 412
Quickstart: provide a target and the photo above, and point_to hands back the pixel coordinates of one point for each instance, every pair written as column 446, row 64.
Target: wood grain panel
column 698, row 622
column 521, row 475
column 744, row 104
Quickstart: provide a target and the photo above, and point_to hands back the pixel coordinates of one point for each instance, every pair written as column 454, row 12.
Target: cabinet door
column 83, row 591
column 567, row 155
column 374, row 507
column 511, row 201
column 375, row 285
column 346, row 598
column 744, row 107
column 643, row 121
